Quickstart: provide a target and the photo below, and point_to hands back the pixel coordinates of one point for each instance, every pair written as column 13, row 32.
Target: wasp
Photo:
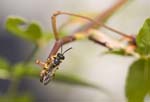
column 49, row 69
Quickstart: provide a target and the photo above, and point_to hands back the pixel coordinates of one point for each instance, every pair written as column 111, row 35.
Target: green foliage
column 4, row 66
column 22, row 70
column 31, row 31
column 121, row 52
column 138, row 81
column 143, row 39
column 21, row 28
column 17, row 98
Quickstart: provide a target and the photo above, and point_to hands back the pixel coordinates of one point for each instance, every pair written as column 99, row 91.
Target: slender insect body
column 48, row 72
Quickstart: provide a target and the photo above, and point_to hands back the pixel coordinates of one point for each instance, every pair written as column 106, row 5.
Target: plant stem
column 100, row 18
column 12, row 90
column 30, row 57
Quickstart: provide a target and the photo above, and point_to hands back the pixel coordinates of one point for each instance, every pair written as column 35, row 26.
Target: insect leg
column 47, row 79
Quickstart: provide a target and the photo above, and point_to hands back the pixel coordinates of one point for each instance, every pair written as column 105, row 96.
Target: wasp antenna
column 67, row 50
column 61, row 48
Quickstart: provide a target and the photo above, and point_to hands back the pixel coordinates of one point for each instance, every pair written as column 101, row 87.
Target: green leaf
column 138, row 80
column 117, row 52
column 143, row 39
column 32, row 70
column 4, row 67
column 21, row 28
column 34, row 31
column 18, row 70
column 22, row 70
column 17, row 98
column 23, row 98
column 4, row 64
column 63, row 33
column 46, row 37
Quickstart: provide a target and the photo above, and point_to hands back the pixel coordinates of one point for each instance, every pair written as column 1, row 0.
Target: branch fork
column 88, row 31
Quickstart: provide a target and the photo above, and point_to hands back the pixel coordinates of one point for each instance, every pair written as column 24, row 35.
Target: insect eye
column 61, row 56
column 56, row 61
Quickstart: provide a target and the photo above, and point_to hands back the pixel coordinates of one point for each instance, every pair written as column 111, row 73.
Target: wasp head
column 60, row 56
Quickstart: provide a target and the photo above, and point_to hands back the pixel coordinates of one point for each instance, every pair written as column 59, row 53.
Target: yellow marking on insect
column 48, row 60
column 53, row 56
column 46, row 66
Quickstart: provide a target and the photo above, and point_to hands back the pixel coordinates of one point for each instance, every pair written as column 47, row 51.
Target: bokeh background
column 85, row 60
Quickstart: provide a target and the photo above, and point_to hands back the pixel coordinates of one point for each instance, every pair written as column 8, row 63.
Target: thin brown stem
column 103, row 16
column 107, row 13
column 99, row 42
column 31, row 56
column 61, row 42
column 53, row 18
column 89, row 19
column 86, row 27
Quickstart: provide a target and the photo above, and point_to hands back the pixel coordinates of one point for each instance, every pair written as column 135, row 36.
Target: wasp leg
column 48, row 78
column 41, row 79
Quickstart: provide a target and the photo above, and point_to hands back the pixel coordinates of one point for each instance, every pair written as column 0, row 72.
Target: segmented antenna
column 61, row 48
column 67, row 50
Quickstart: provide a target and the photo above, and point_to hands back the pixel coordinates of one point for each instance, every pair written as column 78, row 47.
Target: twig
column 30, row 57
column 101, row 17
column 97, row 22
